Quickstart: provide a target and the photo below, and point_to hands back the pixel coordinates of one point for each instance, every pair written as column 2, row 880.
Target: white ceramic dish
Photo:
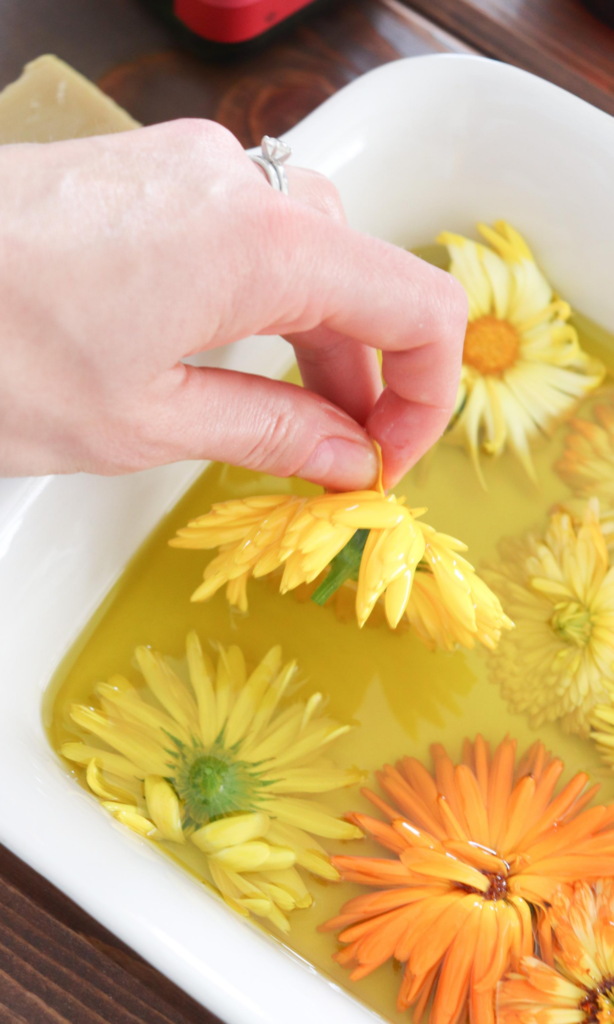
column 414, row 146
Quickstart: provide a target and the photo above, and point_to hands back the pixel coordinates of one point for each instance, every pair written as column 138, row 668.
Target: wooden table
column 57, row 965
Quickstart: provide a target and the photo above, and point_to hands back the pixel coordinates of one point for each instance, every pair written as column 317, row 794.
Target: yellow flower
column 587, row 464
column 560, row 591
column 369, row 537
column 523, row 368
column 220, row 764
column 576, row 984
column 602, row 723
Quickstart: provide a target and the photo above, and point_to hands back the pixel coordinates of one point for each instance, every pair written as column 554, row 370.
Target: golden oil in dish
column 399, row 695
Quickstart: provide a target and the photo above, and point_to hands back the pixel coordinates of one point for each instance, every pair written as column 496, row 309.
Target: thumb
column 261, row 424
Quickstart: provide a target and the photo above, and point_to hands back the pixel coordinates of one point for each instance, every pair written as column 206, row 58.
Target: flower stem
column 344, row 566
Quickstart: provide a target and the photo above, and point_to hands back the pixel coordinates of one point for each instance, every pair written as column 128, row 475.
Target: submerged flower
column 587, row 464
column 417, row 572
column 523, row 367
column 560, row 591
column 602, row 726
column 223, row 765
column 576, row 985
column 478, row 846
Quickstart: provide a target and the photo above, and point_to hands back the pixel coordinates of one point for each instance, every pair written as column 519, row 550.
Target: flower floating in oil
column 587, row 464
column 220, row 764
column 523, row 367
column 361, row 538
column 574, row 983
column 479, row 847
column 559, row 588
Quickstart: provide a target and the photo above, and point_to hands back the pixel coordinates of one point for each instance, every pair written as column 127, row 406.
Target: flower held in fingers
column 364, row 539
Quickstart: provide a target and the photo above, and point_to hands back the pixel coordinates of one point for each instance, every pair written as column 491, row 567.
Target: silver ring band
column 273, row 157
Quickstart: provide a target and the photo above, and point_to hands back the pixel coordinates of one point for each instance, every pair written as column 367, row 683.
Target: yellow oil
column 400, row 696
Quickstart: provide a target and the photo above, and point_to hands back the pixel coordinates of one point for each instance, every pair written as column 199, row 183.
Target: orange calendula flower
column 576, row 985
column 478, row 846
column 365, row 539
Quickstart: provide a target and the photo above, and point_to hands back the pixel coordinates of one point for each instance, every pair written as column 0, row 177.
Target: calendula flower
column 560, row 590
column 576, row 985
column 477, row 848
column 523, row 367
column 222, row 765
column 364, row 536
column 587, row 464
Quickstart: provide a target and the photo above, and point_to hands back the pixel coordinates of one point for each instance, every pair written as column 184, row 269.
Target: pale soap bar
column 51, row 101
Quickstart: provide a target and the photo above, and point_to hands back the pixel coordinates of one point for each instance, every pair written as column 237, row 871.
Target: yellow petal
column 231, row 831
column 163, row 807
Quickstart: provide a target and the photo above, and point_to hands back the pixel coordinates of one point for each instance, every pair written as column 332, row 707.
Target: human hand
column 124, row 254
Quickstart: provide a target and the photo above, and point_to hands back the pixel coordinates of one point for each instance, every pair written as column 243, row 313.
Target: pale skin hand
column 121, row 255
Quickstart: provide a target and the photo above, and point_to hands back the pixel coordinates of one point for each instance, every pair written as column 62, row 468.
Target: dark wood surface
column 57, row 965
column 557, row 39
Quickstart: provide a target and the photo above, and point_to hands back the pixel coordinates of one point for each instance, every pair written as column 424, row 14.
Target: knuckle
column 328, row 197
column 273, row 449
column 196, row 132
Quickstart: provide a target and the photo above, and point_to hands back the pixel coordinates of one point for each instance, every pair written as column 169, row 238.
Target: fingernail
column 342, row 465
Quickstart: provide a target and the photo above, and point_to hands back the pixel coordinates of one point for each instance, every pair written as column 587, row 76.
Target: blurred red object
column 234, row 21
column 603, row 9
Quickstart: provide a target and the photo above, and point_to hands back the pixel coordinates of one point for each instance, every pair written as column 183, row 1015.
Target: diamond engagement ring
column 272, row 160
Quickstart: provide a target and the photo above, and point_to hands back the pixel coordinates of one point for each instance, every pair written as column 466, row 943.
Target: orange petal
column 557, row 809
column 481, row 754
column 583, row 800
column 533, row 761
column 449, row 1004
column 380, row 830
column 487, row 942
column 374, row 903
column 379, row 944
column 452, row 825
column 444, row 865
column 526, row 924
column 430, row 912
column 446, row 783
column 518, row 810
column 438, row 939
column 500, row 787
column 428, row 982
column 392, row 813
column 567, row 837
column 379, row 870
column 472, row 804
column 501, row 958
column 422, row 781
column 415, row 837
column 544, row 938
column 478, row 856
column 409, row 802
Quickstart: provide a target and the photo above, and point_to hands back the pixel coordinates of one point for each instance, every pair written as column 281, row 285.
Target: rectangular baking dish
column 415, row 146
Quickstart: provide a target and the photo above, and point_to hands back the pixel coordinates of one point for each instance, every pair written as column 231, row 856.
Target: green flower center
column 572, row 622
column 211, row 782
